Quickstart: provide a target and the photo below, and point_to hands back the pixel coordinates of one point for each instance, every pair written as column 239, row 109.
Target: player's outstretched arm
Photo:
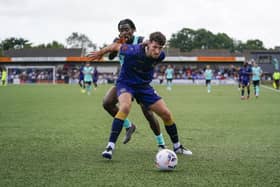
column 95, row 55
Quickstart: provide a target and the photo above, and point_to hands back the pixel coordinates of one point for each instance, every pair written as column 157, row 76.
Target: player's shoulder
column 161, row 56
column 130, row 48
column 140, row 39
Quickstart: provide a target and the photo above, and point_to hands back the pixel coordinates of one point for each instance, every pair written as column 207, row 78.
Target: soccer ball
column 166, row 160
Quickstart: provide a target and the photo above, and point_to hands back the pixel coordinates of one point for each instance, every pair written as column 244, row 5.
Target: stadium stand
column 187, row 65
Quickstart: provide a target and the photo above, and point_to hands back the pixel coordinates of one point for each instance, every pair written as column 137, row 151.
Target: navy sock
column 116, row 130
column 172, row 132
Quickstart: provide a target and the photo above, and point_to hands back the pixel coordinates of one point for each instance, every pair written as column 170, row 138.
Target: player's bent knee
column 167, row 118
column 125, row 108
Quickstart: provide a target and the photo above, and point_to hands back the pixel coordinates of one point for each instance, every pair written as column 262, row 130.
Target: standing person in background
column 81, row 80
column 4, row 77
column 126, row 29
column 256, row 78
column 208, row 74
column 95, row 77
column 245, row 73
column 169, row 72
column 239, row 78
column 88, row 71
column 276, row 79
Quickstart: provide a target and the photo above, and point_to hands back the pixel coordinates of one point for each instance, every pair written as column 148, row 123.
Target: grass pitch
column 54, row 136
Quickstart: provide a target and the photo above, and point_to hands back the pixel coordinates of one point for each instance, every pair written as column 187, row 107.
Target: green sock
column 257, row 90
column 209, row 87
column 160, row 140
column 127, row 123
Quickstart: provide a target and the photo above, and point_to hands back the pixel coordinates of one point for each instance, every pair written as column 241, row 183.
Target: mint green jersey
column 88, row 71
column 208, row 74
column 169, row 73
column 257, row 72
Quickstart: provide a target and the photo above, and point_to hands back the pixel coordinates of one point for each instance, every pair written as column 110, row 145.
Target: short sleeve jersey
column 137, row 68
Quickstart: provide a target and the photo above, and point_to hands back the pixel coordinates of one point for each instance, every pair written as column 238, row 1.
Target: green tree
column 254, row 44
column 188, row 39
column 223, row 41
column 203, row 39
column 76, row 40
column 53, row 44
column 15, row 43
column 183, row 39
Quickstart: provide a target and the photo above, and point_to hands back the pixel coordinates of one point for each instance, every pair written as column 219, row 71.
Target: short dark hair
column 127, row 21
column 158, row 37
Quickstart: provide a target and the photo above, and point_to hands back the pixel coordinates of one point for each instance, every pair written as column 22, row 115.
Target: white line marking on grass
column 269, row 88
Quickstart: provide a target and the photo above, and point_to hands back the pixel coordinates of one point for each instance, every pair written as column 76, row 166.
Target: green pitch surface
column 54, row 136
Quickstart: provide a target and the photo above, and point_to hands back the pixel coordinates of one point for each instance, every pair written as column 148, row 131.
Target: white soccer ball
column 166, row 160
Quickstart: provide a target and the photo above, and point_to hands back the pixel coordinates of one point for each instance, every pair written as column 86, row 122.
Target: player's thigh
column 125, row 100
column 149, row 115
column 111, row 96
column 160, row 108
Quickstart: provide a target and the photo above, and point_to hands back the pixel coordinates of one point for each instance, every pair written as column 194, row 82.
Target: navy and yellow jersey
column 81, row 75
column 137, row 68
column 134, row 40
column 239, row 75
column 245, row 73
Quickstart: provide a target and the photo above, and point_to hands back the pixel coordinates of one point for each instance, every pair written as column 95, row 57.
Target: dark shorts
column 207, row 82
column 169, row 80
column 245, row 83
column 88, row 82
column 145, row 94
column 256, row 82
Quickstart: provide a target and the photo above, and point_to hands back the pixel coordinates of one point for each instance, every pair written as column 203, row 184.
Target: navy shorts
column 144, row 94
column 245, row 82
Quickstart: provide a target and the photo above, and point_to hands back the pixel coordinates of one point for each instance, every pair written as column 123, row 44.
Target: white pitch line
column 269, row 88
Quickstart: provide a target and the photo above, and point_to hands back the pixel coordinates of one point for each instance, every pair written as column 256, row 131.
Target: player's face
column 154, row 49
column 126, row 32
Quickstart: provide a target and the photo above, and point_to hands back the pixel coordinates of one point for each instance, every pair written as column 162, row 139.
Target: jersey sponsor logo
column 155, row 92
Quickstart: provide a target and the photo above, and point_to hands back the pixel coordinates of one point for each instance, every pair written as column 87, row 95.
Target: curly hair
column 127, row 21
column 158, row 37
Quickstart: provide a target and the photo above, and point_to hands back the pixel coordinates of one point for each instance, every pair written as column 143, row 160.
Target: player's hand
column 145, row 43
column 121, row 39
column 95, row 55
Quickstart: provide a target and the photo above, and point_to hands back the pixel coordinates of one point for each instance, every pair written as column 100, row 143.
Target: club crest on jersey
column 123, row 90
column 124, row 47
